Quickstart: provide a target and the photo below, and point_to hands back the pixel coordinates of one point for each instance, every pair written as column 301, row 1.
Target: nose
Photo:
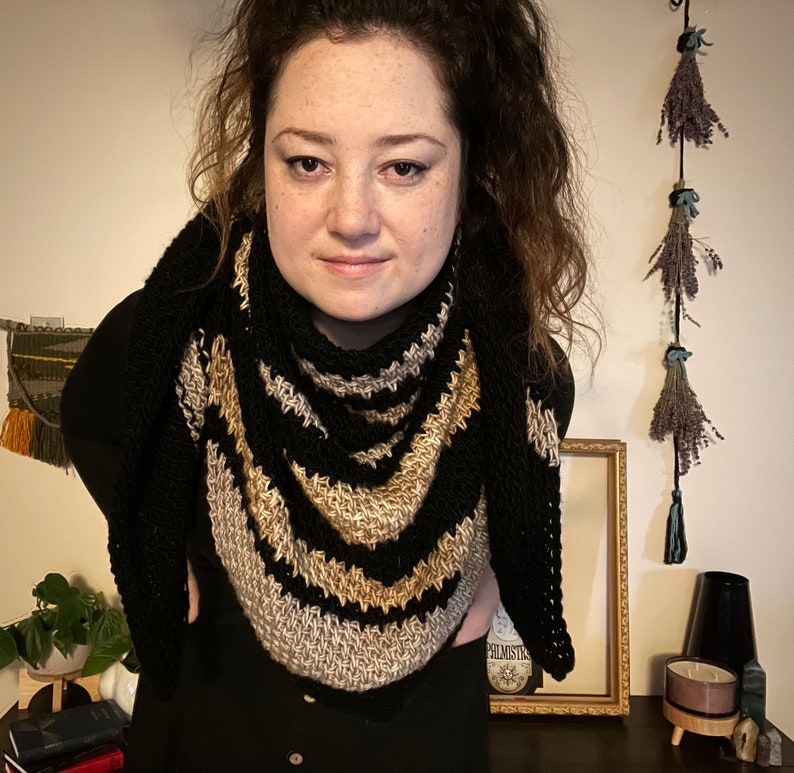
column 353, row 208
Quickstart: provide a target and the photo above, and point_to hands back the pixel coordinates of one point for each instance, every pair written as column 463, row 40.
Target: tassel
column 17, row 432
column 675, row 255
column 680, row 414
column 47, row 444
column 685, row 108
column 675, row 547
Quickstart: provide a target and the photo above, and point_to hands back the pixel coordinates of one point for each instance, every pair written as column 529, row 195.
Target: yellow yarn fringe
column 17, row 432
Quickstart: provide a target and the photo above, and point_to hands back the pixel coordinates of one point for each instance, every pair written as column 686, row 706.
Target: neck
column 359, row 335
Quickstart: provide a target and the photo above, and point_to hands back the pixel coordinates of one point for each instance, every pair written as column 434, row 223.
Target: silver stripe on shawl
column 542, row 431
column 191, row 385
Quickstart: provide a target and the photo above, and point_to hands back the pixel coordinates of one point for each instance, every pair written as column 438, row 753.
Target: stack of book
column 84, row 739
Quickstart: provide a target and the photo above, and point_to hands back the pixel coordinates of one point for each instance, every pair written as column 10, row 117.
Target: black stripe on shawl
column 307, row 444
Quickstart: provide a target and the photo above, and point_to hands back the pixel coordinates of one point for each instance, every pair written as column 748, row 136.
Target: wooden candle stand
column 694, row 723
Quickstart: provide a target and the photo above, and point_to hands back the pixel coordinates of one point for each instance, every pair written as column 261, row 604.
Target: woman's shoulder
column 91, row 403
column 552, row 387
column 564, row 393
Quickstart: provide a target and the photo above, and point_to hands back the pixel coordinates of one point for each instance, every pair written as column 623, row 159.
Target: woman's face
column 362, row 177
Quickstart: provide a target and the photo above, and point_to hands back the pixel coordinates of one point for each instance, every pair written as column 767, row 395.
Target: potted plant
column 66, row 623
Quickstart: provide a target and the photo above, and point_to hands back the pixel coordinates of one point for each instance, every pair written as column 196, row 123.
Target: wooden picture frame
column 594, row 577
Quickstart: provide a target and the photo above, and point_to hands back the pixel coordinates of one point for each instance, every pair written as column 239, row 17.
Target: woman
column 338, row 396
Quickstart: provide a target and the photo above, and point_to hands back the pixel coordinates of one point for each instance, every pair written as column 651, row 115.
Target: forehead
column 382, row 78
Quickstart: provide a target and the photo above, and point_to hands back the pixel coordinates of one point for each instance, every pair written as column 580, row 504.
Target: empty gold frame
column 595, row 593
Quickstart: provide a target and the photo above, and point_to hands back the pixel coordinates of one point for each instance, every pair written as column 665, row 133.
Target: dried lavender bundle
column 675, row 255
column 675, row 258
column 685, row 107
column 679, row 413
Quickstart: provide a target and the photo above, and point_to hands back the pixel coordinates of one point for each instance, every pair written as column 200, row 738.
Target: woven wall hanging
column 678, row 414
column 39, row 360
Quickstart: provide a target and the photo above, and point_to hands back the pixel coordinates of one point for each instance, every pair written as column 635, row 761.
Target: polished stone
column 770, row 749
column 745, row 740
column 753, row 698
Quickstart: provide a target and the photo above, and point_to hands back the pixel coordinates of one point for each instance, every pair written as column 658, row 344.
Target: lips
column 354, row 266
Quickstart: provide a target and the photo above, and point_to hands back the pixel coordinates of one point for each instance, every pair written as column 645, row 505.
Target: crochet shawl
column 347, row 490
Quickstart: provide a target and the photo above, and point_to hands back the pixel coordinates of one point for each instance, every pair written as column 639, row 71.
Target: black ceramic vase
column 722, row 629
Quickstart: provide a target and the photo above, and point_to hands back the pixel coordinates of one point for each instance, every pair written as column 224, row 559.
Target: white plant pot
column 119, row 684
column 56, row 666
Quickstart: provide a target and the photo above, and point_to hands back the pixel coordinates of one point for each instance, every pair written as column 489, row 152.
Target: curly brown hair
column 492, row 58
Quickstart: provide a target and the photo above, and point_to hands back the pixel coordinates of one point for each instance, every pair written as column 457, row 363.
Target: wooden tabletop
column 638, row 743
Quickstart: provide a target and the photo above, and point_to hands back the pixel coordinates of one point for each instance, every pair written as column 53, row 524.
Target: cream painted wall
column 93, row 143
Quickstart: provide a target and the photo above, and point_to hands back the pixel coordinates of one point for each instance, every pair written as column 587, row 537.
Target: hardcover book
column 99, row 759
column 40, row 736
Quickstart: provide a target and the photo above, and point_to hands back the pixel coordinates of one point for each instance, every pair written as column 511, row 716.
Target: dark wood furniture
column 639, row 743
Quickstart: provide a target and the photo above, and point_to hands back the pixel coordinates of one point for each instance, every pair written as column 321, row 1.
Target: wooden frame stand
column 694, row 723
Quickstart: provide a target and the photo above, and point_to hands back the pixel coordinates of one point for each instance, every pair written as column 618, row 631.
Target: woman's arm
column 92, row 414
column 91, row 404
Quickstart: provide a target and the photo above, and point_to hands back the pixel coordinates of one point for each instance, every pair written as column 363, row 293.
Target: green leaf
column 115, row 647
column 109, row 624
column 47, row 618
column 96, row 664
column 54, row 589
column 71, row 612
column 63, row 641
column 8, row 648
column 110, row 650
column 35, row 641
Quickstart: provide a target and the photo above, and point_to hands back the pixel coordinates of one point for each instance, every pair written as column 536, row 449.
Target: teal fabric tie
column 678, row 355
column 687, row 198
column 695, row 39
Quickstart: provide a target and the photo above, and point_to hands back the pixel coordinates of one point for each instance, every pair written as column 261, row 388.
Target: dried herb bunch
column 678, row 412
column 675, row 255
column 686, row 109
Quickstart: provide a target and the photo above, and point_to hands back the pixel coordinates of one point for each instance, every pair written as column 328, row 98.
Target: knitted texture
column 347, row 490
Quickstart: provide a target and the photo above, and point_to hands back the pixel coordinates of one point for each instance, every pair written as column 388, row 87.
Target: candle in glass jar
column 700, row 686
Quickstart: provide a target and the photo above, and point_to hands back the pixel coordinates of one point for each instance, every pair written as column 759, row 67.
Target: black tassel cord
column 678, row 412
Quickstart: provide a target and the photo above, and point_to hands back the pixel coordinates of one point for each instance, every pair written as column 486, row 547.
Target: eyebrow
column 318, row 137
column 402, row 139
column 390, row 140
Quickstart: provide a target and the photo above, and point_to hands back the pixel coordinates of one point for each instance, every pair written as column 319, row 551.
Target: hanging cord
column 681, row 176
column 681, row 141
column 677, row 4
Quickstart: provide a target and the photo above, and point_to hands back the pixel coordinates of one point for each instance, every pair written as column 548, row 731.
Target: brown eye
column 309, row 164
column 403, row 168
column 304, row 165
